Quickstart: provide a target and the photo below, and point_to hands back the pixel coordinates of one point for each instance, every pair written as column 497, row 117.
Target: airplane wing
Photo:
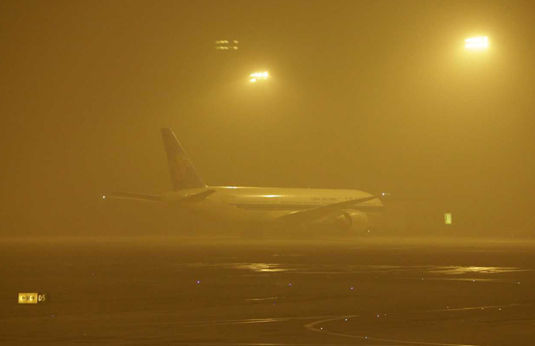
column 308, row 215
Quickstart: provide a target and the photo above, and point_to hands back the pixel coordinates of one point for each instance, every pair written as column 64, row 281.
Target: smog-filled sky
column 371, row 95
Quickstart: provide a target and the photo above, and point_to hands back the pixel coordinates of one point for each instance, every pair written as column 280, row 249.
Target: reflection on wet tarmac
column 344, row 269
column 243, row 295
column 261, row 299
column 261, row 267
column 254, row 267
column 460, row 270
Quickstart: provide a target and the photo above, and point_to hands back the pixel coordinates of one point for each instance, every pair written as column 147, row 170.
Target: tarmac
column 203, row 291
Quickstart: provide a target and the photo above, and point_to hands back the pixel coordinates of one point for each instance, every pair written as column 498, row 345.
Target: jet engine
column 353, row 220
column 348, row 221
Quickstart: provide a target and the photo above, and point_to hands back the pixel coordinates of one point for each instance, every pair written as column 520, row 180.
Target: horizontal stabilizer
column 194, row 197
column 133, row 196
column 197, row 196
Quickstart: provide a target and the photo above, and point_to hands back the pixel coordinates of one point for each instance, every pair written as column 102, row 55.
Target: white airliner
column 297, row 208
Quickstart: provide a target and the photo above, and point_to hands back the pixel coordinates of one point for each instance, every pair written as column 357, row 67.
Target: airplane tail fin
column 183, row 174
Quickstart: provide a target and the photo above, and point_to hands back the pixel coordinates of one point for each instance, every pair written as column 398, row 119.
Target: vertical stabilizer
column 183, row 174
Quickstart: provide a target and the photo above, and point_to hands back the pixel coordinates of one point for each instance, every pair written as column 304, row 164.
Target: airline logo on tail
column 183, row 174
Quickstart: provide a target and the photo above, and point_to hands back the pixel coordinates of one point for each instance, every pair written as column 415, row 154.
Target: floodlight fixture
column 258, row 76
column 476, row 43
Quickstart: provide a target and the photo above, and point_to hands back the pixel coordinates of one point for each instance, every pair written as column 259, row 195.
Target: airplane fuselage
column 268, row 203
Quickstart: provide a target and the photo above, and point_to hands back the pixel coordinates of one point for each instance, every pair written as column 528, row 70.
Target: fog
column 371, row 95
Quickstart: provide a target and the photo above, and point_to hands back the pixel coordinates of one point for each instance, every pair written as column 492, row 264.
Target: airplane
column 279, row 208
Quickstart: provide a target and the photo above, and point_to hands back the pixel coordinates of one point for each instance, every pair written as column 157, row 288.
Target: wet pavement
column 140, row 291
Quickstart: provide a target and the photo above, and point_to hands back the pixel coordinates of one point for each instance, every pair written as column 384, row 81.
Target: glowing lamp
column 476, row 43
column 258, row 76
